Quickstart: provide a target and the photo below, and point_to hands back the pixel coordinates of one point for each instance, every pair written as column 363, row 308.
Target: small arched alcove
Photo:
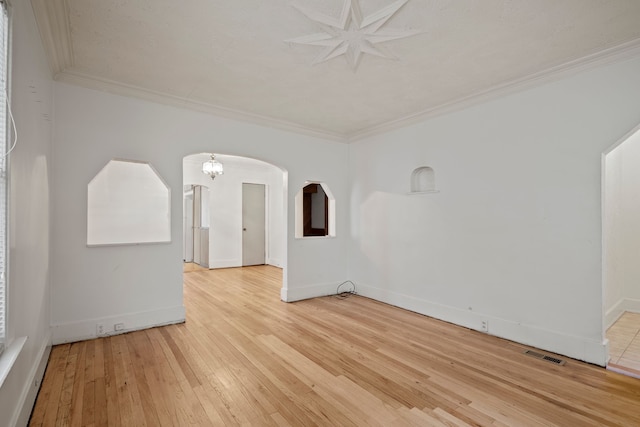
column 423, row 180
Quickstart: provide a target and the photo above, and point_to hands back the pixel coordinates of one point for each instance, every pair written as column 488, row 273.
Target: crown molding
column 610, row 55
column 105, row 85
column 52, row 19
column 617, row 53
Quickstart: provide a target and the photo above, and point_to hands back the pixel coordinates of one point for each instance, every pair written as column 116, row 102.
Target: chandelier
column 212, row 167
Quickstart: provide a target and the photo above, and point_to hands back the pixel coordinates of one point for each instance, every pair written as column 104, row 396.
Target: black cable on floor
column 348, row 292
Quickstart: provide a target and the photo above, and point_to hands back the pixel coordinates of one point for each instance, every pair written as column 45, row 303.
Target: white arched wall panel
column 128, row 203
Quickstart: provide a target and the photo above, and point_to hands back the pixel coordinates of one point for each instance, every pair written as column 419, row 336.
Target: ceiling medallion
column 353, row 35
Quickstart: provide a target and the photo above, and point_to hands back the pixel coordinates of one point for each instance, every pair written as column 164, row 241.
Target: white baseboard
column 306, row 292
column 575, row 347
column 32, row 385
column 86, row 329
column 632, row 305
column 225, row 263
column 274, row 262
column 234, row 263
column 614, row 313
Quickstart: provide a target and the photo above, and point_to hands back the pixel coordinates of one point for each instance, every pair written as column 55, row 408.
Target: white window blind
column 4, row 35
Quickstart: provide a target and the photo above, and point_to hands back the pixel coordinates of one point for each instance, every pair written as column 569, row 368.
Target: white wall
column 514, row 236
column 622, row 229
column 225, row 207
column 142, row 285
column 613, row 277
column 29, row 228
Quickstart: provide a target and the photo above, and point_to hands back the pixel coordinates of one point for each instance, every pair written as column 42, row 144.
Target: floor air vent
column 541, row 356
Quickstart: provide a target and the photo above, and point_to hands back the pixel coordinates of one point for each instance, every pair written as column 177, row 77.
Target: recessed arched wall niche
column 423, row 180
column 315, row 211
column 128, row 203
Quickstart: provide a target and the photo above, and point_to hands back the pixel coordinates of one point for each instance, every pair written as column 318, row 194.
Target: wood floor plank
column 243, row 357
column 183, row 381
column 77, row 395
column 88, row 404
column 110, row 383
column 128, row 400
column 166, row 384
column 136, row 347
column 100, row 396
column 46, row 408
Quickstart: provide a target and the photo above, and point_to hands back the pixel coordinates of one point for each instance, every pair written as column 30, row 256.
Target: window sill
column 9, row 357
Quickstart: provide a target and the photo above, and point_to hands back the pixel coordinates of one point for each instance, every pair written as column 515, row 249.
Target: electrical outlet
column 99, row 329
column 118, row 327
column 484, row 327
column 36, row 383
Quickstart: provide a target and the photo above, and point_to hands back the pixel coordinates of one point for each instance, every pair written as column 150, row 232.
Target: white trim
column 86, row 329
column 9, row 357
column 225, row 263
column 620, row 52
column 613, row 54
column 275, row 262
column 52, row 18
column 97, row 83
column 624, row 305
column 5, row 170
column 623, row 372
column 307, row 292
column 613, row 314
column 606, row 317
column 32, row 386
column 632, row 305
column 591, row 351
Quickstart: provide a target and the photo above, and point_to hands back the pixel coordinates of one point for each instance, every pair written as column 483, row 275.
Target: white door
column 188, row 227
column 253, row 229
column 197, row 222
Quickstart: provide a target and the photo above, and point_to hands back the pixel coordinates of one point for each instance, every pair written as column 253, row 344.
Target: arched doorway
column 226, row 228
column 621, row 243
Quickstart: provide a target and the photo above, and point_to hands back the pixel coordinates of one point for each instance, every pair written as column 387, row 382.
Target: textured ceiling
column 232, row 54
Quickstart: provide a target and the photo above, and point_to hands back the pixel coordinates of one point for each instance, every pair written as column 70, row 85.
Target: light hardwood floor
column 624, row 343
column 188, row 267
column 245, row 358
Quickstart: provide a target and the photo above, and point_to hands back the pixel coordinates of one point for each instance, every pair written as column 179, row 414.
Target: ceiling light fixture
column 353, row 35
column 212, row 167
